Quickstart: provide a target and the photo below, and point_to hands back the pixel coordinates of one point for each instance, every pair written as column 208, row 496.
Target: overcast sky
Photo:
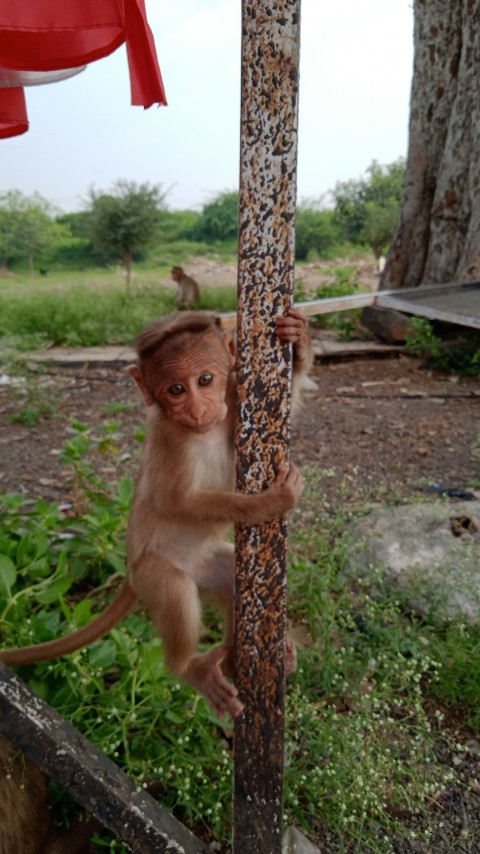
column 355, row 75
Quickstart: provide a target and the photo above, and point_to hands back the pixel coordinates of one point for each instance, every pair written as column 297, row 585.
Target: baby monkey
column 184, row 500
column 188, row 292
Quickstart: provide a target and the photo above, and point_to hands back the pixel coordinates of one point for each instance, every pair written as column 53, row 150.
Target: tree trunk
column 438, row 235
column 127, row 260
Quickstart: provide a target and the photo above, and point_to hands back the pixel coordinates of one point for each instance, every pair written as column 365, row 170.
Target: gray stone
column 430, row 551
column 308, row 384
column 294, row 842
column 387, row 324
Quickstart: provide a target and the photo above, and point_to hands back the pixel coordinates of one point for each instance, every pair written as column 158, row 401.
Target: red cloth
column 13, row 113
column 45, row 35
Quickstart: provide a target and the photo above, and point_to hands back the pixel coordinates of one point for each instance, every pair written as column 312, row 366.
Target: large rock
column 294, row 842
column 386, row 324
column 430, row 551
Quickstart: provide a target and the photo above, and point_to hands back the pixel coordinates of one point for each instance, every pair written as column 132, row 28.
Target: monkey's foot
column 290, row 656
column 204, row 672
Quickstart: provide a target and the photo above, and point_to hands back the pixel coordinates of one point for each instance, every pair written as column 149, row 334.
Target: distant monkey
column 188, row 292
column 184, row 499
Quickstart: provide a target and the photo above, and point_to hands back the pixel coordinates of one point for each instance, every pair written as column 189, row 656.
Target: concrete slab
column 82, row 356
column 75, row 356
column 330, row 349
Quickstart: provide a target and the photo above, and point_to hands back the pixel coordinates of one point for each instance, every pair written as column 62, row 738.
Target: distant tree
column 367, row 209
column 79, row 223
column 219, row 218
column 178, row 225
column 27, row 228
column 79, row 251
column 316, row 230
column 379, row 225
column 126, row 219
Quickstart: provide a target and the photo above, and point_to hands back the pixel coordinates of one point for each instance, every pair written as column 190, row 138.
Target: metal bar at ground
column 457, row 304
column 85, row 773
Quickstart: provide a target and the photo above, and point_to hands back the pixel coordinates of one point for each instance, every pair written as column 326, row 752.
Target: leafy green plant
column 55, row 572
column 115, row 408
column 361, row 735
column 118, row 691
column 367, row 209
column 344, row 284
column 219, row 218
column 423, row 342
column 316, row 232
column 462, row 356
column 35, row 401
column 457, row 649
column 343, row 322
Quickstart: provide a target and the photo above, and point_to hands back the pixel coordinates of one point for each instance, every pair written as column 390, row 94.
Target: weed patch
column 461, row 356
column 361, row 736
column 85, row 316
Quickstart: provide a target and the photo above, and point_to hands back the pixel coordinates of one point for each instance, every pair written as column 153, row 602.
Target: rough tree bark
column 438, row 235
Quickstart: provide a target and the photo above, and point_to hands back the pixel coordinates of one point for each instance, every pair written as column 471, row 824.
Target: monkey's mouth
column 193, row 427
column 201, row 427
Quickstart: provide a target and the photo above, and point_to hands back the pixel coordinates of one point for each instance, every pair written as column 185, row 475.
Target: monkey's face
column 191, row 386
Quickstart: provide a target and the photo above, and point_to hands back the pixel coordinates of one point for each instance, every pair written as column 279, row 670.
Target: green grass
column 88, row 309
column 92, row 307
column 361, row 722
column 365, row 708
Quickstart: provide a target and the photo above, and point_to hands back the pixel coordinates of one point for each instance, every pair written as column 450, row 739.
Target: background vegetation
column 365, row 709
column 131, row 222
column 365, row 741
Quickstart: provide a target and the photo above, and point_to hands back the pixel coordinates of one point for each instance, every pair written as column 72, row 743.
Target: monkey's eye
column 176, row 389
column 205, row 379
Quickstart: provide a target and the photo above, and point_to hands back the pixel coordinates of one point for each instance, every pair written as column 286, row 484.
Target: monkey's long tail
column 113, row 613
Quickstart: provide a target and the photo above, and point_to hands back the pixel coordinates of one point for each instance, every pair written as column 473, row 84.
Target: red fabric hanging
column 46, row 35
column 13, row 113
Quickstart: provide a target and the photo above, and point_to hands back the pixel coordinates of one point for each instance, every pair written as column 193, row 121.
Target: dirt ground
column 384, row 427
column 378, row 423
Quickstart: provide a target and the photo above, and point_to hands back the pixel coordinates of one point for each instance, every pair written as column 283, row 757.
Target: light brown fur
column 184, row 500
column 188, row 292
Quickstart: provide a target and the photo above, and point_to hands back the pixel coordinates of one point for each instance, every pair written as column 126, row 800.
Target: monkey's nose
column 197, row 411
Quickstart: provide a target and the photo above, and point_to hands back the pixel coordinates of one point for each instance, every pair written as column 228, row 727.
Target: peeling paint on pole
column 270, row 61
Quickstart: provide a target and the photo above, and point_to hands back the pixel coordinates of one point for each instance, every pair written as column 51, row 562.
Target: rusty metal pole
column 269, row 116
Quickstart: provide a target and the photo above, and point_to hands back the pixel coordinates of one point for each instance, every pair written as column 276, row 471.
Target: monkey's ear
column 230, row 341
column 137, row 375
